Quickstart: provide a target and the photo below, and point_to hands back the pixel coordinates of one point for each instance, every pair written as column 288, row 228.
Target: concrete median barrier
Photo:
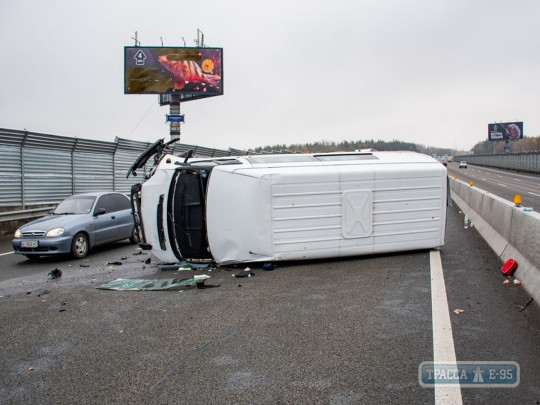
column 509, row 230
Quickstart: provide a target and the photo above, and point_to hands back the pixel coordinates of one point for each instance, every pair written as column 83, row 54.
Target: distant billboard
column 192, row 73
column 506, row 131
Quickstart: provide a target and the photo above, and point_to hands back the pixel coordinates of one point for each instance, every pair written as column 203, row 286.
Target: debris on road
column 123, row 284
column 201, row 285
column 245, row 273
column 56, row 273
column 458, row 311
column 509, row 267
column 526, row 304
column 515, row 282
column 183, row 266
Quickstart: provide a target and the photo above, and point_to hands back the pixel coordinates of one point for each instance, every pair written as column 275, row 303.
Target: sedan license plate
column 29, row 244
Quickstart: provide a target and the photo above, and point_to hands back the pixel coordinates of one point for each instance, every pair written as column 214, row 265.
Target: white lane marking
column 500, row 184
column 530, row 192
column 8, row 253
column 443, row 342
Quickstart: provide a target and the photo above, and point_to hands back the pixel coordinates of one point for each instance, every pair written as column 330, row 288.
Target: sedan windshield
column 75, row 205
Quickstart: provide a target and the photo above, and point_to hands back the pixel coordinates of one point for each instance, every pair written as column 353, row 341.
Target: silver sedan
column 77, row 224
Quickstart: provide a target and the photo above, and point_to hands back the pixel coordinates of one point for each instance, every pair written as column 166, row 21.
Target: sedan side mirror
column 99, row 211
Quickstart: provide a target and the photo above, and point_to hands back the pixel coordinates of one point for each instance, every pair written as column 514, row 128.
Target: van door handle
column 113, row 217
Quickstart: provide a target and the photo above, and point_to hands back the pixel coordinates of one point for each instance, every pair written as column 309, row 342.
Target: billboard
column 192, row 73
column 506, row 131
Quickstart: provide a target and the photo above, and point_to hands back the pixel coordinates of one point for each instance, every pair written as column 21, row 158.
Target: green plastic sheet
column 126, row 284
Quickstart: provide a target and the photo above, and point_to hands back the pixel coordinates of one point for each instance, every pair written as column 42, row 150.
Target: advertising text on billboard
column 507, row 131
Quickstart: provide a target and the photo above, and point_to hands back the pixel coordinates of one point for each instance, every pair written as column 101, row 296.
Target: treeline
column 481, row 148
column 351, row 146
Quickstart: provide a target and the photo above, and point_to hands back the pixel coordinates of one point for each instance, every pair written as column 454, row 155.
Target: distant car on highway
column 462, row 164
column 77, row 224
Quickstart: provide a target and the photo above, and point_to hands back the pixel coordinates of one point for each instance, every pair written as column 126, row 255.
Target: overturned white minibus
column 289, row 207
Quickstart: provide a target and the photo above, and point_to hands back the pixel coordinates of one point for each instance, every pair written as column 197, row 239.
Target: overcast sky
column 432, row 72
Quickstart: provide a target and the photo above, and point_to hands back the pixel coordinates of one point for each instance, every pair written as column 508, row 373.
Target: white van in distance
column 267, row 208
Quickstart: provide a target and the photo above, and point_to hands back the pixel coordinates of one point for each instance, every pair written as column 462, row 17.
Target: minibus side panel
column 292, row 213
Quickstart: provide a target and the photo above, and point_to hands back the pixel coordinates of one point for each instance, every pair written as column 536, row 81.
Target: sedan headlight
column 18, row 233
column 55, row 232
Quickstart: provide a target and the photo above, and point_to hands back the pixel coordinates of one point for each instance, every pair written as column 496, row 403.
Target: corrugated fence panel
column 47, row 175
column 93, row 172
column 38, row 169
column 10, row 177
column 519, row 161
column 11, row 137
column 46, row 141
column 123, row 159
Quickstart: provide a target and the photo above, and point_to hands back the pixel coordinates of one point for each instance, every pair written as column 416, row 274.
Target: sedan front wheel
column 80, row 246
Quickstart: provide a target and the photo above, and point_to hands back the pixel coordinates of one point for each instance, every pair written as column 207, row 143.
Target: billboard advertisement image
column 507, row 131
column 193, row 73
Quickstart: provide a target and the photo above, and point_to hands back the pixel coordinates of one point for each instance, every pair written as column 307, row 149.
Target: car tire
column 80, row 246
column 135, row 236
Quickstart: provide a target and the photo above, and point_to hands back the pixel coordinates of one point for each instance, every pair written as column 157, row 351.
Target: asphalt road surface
column 351, row 331
column 503, row 183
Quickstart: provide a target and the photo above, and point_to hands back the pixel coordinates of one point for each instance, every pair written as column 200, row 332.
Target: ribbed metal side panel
column 91, row 146
column 47, row 175
column 123, row 159
column 46, row 141
column 93, row 172
column 10, row 137
column 525, row 161
column 360, row 211
column 10, row 176
column 38, row 168
column 128, row 144
column 225, row 153
column 237, row 152
column 205, row 152
column 179, row 148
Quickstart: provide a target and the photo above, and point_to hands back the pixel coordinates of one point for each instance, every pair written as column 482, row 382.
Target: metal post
column 174, row 109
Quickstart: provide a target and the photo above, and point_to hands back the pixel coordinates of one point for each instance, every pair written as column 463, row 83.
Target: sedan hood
column 51, row 221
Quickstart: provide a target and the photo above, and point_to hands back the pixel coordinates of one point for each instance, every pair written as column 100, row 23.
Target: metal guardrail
column 25, row 214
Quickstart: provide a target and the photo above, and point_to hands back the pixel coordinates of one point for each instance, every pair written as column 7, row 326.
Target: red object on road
column 509, row 267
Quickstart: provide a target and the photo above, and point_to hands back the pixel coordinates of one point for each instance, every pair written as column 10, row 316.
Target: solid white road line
column 443, row 342
column 8, row 253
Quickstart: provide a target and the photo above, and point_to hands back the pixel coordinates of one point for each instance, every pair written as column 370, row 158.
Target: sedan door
column 124, row 216
column 105, row 220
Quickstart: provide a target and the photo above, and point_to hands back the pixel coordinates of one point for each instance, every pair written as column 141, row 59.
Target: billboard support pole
column 174, row 109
